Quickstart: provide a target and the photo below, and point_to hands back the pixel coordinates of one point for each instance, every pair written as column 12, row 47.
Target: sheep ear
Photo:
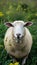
column 28, row 24
column 8, row 24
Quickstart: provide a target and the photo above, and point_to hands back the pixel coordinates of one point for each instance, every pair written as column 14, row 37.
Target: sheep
column 18, row 39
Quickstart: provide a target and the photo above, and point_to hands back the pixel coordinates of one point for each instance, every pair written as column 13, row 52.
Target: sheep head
column 19, row 29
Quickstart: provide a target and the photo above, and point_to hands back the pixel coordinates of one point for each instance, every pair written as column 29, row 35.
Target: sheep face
column 19, row 29
column 19, row 32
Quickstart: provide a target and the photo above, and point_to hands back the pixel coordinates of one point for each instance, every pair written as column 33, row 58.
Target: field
column 10, row 12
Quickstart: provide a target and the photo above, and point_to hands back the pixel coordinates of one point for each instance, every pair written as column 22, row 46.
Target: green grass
column 18, row 12
column 32, row 59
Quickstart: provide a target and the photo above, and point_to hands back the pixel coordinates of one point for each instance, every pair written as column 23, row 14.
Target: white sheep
column 18, row 39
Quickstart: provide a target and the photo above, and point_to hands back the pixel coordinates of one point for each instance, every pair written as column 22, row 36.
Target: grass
column 18, row 12
column 32, row 59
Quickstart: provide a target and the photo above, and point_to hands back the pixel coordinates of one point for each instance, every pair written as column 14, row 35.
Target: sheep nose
column 18, row 35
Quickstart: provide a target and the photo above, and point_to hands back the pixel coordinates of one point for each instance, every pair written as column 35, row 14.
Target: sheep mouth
column 18, row 40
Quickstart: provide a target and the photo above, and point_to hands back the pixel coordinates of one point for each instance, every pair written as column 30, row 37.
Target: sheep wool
column 18, row 39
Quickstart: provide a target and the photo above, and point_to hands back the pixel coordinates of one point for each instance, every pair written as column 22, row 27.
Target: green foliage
column 20, row 11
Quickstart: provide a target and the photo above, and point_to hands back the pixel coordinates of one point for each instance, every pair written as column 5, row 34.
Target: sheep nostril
column 18, row 35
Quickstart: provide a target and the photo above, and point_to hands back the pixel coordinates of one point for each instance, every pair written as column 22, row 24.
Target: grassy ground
column 18, row 12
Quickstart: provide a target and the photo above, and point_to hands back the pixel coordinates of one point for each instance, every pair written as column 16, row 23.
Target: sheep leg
column 14, row 60
column 24, row 60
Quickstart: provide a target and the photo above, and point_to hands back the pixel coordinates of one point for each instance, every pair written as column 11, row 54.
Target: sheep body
column 17, row 50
